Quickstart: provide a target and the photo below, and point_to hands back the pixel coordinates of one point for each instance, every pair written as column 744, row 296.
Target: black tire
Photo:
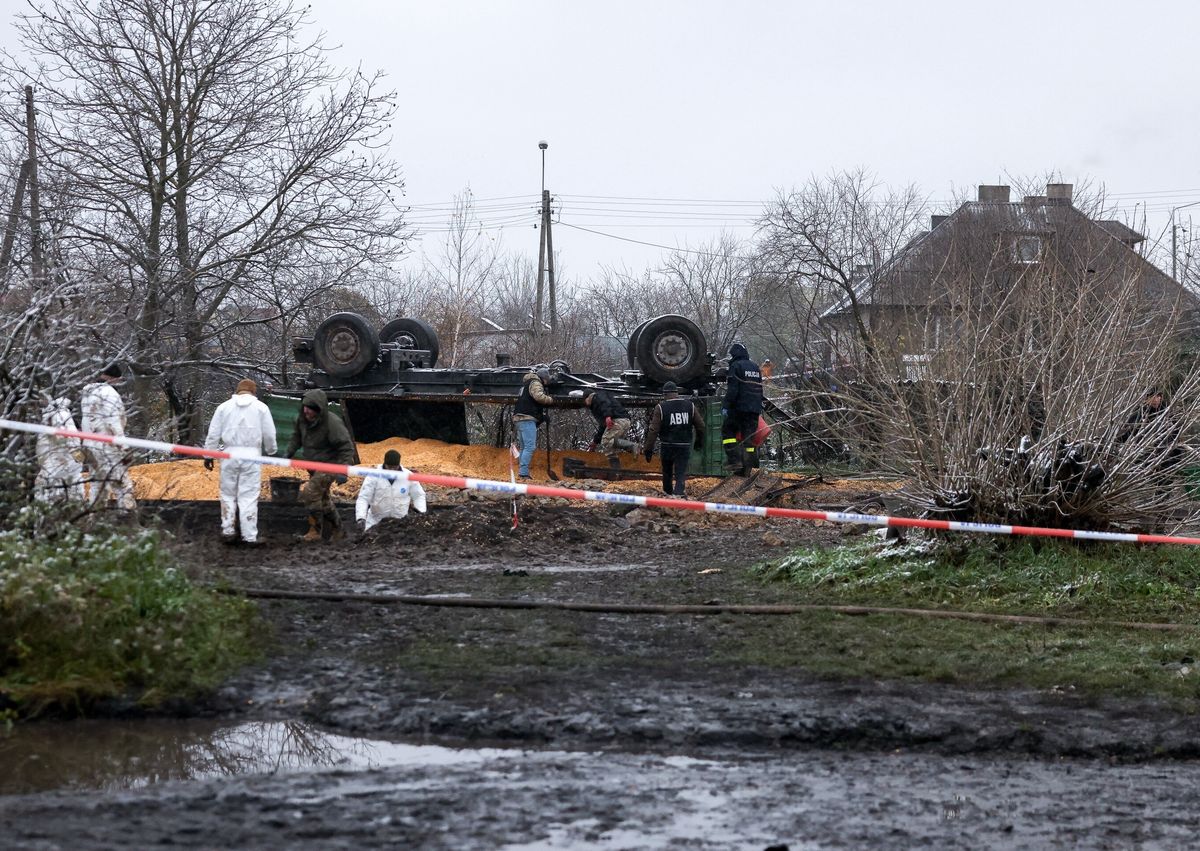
column 631, row 346
column 671, row 348
column 345, row 345
column 412, row 334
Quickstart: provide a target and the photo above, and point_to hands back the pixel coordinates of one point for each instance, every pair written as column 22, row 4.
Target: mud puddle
column 385, row 796
column 114, row 756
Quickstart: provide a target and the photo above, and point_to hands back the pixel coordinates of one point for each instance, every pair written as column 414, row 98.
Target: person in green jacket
column 320, row 435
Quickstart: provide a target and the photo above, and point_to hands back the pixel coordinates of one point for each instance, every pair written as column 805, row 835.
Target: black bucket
column 285, row 491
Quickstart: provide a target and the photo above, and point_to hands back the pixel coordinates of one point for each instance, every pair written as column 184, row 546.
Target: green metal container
column 710, row 460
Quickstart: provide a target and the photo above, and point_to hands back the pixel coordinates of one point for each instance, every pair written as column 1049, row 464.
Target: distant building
column 976, row 255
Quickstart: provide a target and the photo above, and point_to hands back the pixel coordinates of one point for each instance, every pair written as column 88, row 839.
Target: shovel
column 549, row 470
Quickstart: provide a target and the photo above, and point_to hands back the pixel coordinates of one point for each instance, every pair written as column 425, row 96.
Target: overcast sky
column 654, row 109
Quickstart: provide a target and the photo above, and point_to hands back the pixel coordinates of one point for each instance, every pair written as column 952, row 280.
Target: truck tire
column 631, row 346
column 345, row 345
column 412, row 334
column 671, row 348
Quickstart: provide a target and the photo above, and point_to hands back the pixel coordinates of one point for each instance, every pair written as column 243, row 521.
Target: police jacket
column 675, row 422
column 326, row 438
column 743, row 392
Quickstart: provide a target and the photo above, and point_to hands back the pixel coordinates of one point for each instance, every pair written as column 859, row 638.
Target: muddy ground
column 782, row 756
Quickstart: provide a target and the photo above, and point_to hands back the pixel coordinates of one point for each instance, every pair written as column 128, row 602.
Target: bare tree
column 461, row 278
column 716, row 284
column 205, row 140
column 828, row 241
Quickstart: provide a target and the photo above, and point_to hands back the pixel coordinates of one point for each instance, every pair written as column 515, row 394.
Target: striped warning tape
column 518, row 489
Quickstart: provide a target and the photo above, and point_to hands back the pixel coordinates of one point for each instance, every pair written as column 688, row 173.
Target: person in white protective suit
column 382, row 499
column 104, row 413
column 241, row 422
column 60, row 473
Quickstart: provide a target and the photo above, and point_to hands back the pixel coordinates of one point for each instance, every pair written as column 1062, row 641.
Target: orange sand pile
column 187, row 479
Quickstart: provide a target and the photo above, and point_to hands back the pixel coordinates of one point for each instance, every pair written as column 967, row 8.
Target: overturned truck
column 389, row 384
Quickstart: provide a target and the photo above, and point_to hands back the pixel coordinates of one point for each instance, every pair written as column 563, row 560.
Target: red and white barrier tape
column 516, row 489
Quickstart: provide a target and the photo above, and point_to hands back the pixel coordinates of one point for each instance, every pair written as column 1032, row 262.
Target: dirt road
column 636, row 730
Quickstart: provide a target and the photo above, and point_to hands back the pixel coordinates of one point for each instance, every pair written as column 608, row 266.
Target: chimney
column 993, row 194
column 1059, row 193
column 936, row 220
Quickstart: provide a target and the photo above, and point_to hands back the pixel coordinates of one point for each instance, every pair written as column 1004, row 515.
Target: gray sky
column 722, row 101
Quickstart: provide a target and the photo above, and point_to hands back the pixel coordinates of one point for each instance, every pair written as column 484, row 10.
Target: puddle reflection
column 115, row 755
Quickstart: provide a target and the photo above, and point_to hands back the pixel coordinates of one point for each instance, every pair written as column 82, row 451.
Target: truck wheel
column 671, row 348
column 412, row 334
column 345, row 345
column 631, row 346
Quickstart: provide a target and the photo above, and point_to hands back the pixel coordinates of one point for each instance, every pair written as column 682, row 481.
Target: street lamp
column 543, row 145
column 1174, row 229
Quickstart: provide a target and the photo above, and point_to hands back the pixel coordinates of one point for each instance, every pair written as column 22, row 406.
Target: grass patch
column 1054, row 578
column 89, row 614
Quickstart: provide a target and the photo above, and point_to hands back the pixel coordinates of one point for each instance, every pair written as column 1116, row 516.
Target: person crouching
column 382, row 499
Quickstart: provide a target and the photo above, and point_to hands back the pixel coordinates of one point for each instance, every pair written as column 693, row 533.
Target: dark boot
column 314, row 529
column 734, row 462
column 335, row 524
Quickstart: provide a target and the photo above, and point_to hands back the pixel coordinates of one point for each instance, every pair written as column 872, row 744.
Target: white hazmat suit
column 241, row 422
column 386, row 499
column 104, row 413
column 60, row 474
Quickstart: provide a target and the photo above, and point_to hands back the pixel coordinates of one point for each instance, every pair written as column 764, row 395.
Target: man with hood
column 60, row 475
column 241, row 421
column 104, row 413
column 740, row 411
column 320, row 435
column 529, row 412
column 382, row 499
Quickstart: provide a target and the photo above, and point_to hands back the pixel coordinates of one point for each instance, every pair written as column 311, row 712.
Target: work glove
column 340, row 478
column 724, row 412
column 649, row 453
column 608, row 422
column 208, row 464
column 361, row 524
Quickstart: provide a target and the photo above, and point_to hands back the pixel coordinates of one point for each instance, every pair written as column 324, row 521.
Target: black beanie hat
column 113, row 370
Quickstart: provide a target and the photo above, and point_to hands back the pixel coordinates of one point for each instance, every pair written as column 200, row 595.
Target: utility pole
column 545, row 259
column 35, row 210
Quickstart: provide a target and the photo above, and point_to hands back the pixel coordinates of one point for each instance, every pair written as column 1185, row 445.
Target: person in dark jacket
column 612, row 423
column 678, row 425
column 530, row 412
column 740, row 411
column 320, row 435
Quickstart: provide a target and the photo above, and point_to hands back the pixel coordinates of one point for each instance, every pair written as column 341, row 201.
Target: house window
column 1027, row 249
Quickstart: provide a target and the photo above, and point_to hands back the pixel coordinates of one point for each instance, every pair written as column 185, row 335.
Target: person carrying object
column 60, row 473
column 740, row 411
column 382, row 499
column 529, row 412
column 320, row 435
column 612, row 424
column 242, row 422
column 678, row 425
column 104, row 413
